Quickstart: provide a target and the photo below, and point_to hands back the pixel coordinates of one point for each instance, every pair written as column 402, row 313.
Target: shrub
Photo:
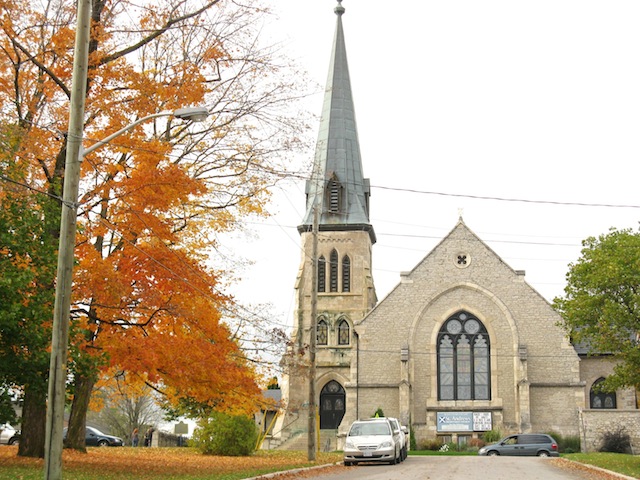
column 222, row 434
column 475, row 444
column 568, row 444
column 491, row 436
column 433, row 445
column 616, row 441
column 412, row 440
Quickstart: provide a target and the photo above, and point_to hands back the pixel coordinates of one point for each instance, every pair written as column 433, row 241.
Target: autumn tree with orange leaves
column 153, row 202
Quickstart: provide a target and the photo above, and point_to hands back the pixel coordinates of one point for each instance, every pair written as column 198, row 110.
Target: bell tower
column 334, row 279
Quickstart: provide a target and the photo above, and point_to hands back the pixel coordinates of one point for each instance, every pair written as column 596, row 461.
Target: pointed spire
column 337, row 186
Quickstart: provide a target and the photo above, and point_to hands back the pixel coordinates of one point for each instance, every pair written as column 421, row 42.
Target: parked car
column 403, row 437
column 372, row 440
column 9, row 435
column 523, row 444
column 95, row 438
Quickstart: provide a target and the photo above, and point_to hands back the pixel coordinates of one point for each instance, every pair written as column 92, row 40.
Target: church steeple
column 337, row 187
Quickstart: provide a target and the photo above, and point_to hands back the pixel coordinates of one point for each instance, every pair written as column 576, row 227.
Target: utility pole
column 311, row 441
column 62, row 307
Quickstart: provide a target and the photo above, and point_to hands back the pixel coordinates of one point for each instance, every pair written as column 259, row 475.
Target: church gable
column 463, row 273
column 476, row 337
column 460, row 260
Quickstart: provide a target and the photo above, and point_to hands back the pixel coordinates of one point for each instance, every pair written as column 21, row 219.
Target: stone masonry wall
column 594, row 423
column 528, row 349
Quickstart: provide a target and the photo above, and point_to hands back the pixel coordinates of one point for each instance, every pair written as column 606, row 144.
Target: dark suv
column 523, row 444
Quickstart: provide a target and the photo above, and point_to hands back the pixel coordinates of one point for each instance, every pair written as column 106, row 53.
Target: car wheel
column 13, row 441
column 103, row 443
column 347, row 464
column 492, row 453
column 543, row 454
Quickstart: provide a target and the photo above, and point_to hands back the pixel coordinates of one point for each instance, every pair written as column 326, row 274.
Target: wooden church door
column 332, row 404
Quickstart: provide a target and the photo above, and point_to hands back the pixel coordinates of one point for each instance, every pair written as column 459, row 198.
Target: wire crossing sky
column 520, row 117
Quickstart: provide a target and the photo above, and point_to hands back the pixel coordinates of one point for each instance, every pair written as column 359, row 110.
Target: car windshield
column 361, row 429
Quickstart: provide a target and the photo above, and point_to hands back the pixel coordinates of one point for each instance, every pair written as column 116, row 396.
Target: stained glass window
column 322, row 333
column 463, row 359
column 344, row 333
column 601, row 399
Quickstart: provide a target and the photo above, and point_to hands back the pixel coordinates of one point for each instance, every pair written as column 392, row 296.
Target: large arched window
column 333, row 271
column 464, row 370
column 346, row 274
column 344, row 333
column 322, row 274
column 322, row 332
column 600, row 399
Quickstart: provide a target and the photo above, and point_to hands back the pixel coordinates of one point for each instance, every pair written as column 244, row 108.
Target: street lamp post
column 68, row 222
column 196, row 114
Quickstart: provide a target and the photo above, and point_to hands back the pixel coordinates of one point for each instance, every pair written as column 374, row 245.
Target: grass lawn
column 128, row 463
column 616, row 462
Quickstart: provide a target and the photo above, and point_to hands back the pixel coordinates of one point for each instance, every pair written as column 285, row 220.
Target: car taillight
column 554, row 446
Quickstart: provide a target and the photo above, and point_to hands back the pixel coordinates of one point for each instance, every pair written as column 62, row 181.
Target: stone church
column 462, row 345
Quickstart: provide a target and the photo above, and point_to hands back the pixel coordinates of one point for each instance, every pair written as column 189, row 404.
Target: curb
column 292, row 471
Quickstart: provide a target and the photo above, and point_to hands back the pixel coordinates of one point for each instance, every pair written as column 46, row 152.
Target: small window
column 599, row 399
column 463, row 440
column 333, row 271
column 322, row 333
column 322, row 274
column 346, row 274
column 344, row 333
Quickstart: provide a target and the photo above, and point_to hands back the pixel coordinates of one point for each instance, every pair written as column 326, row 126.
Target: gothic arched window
column 464, row 371
column 333, row 271
column 344, row 333
column 322, row 333
column 600, row 399
column 322, row 274
column 346, row 274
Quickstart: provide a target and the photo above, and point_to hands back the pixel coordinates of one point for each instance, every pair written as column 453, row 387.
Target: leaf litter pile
column 158, row 463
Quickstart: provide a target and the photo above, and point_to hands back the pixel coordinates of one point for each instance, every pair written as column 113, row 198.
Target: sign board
column 181, row 428
column 463, row 421
column 482, row 421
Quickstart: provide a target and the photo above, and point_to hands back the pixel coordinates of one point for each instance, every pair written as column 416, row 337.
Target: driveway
column 460, row 468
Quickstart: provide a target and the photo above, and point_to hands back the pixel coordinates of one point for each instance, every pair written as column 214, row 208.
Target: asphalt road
column 460, row 468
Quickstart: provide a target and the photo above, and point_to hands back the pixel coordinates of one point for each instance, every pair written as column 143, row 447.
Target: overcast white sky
column 533, row 100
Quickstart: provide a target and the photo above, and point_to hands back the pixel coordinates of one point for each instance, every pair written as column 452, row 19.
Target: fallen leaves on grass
column 142, row 463
column 587, row 471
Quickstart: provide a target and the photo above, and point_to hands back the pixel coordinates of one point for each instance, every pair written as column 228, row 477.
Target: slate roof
column 337, row 155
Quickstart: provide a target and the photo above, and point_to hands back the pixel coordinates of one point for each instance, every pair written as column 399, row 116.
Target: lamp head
column 197, row 114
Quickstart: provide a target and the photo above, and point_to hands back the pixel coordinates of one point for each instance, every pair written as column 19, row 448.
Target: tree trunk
column 34, row 423
column 78, row 418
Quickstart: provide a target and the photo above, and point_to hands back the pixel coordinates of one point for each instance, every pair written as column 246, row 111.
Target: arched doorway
column 332, row 403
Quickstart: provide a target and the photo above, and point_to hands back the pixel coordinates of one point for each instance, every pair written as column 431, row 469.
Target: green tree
column 224, row 434
column 27, row 266
column 601, row 304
